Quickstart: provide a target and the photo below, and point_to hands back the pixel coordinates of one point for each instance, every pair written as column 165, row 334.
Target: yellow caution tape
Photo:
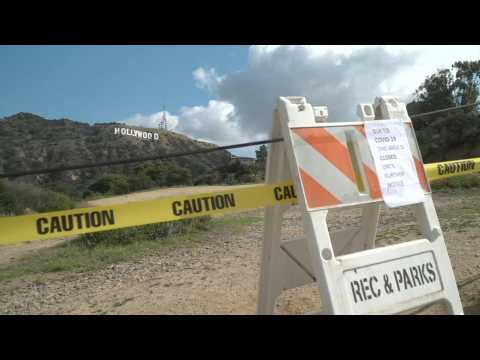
column 17, row 229
column 448, row 169
column 57, row 224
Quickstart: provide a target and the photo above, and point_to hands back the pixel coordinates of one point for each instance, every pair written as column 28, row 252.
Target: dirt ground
column 219, row 273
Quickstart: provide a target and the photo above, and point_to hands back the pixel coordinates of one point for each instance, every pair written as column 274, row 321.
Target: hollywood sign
column 137, row 133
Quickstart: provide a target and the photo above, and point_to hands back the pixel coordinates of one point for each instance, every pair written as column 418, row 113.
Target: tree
column 452, row 135
column 436, row 91
column 178, row 176
column 139, row 182
column 261, row 154
column 467, row 82
column 7, row 201
column 446, row 88
column 260, row 164
column 113, row 184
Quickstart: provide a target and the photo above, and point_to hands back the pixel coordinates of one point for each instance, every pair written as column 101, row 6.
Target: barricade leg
column 369, row 224
column 270, row 285
column 273, row 258
column 429, row 226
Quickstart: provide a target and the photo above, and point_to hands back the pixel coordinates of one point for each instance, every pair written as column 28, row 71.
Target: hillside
column 28, row 141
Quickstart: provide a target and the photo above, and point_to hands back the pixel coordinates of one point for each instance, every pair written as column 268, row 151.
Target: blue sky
column 107, row 83
column 220, row 94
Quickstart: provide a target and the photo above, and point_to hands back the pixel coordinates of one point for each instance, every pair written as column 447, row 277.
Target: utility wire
column 180, row 154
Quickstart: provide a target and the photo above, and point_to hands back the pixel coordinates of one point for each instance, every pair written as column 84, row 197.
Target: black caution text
column 203, row 204
column 66, row 223
column 284, row 192
column 457, row 167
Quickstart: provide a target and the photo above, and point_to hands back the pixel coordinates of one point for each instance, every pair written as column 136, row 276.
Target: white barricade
column 333, row 169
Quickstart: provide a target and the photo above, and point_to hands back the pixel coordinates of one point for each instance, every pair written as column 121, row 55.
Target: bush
column 139, row 182
column 455, row 131
column 73, row 191
column 16, row 198
column 7, row 202
column 236, row 172
column 208, row 179
column 166, row 174
column 54, row 201
column 87, row 194
column 149, row 232
column 111, row 184
column 246, row 178
column 178, row 176
column 457, row 182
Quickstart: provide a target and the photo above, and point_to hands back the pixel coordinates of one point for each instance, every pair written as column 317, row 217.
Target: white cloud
column 429, row 59
column 207, row 79
column 213, row 123
column 337, row 76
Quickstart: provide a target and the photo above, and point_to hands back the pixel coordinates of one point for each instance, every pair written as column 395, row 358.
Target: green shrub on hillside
column 149, row 232
column 166, row 174
column 208, row 179
column 111, row 184
column 140, row 182
column 18, row 198
column 7, row 202
column 145, row 177
column 236, row 172
column 456, row 130
column 457, row 182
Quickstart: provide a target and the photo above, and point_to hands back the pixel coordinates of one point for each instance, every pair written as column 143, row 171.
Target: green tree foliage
column 166, row 174
column 150, row 232
column 139, row 182
column 111, row 184
column 7, row 201
column 235, row 167
column 450, row 137
column 467, row 82
column 146, row 176
column 19, row 198
column 436, row 91
column 446, row 88
column 261, row 154
column 211, row 178
column 236, row 172
column 261, row 163
column 458, row 182
column 455, row 134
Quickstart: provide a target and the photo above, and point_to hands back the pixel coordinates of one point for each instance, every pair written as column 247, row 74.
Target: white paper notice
column 394, row 163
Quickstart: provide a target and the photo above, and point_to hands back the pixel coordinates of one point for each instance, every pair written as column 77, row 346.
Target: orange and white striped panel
column 368, row 164
column 326, row 169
